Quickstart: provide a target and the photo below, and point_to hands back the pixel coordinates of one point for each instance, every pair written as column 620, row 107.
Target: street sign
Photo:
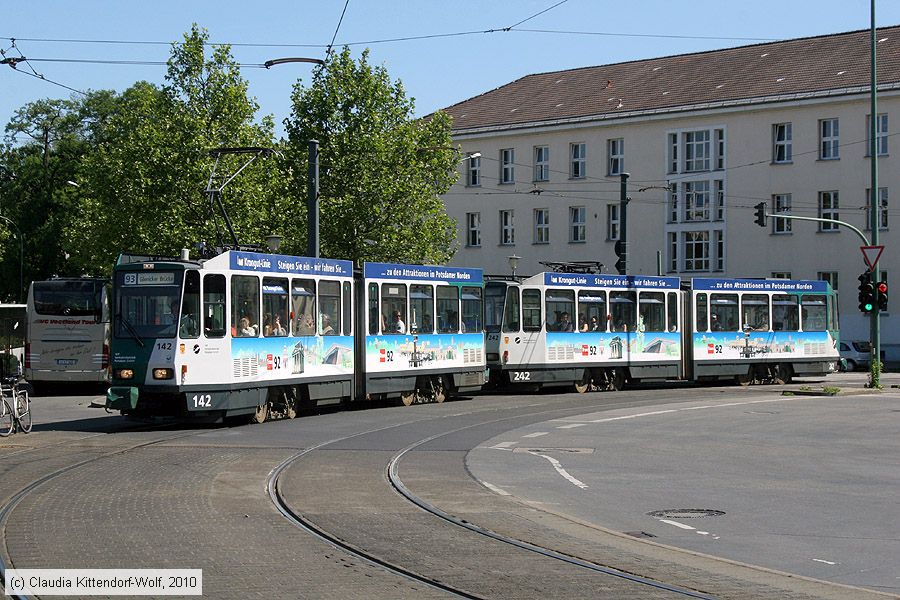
column 871, row 254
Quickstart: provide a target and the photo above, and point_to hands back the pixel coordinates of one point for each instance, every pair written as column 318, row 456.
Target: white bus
column 67, row 338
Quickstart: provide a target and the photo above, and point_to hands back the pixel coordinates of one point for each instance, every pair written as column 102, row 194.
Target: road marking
column 635, row 416
column 535, row 434
column 495, row 489
column 559, row 469
column 676, row 524
column 572, row 426
column 503, row 445
column 827, row 562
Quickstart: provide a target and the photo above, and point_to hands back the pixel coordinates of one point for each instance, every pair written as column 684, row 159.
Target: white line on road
column 495, row 489
column 535, row 434
column 676, row 524
column 559, row 469
column 503, row 445
column 572, row 426
column 827, row 562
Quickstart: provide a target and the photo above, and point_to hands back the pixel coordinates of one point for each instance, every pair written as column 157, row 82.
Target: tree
column 381, row 170
column 142, row 186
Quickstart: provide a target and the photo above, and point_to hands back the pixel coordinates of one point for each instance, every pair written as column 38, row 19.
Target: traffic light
column 761, row 214
column 882, row 291
column 867, row 300
column 622, row 253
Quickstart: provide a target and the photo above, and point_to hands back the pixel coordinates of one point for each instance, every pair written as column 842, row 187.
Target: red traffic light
column 882, row 288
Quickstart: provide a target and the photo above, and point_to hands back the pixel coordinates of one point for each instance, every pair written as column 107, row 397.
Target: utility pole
column 622, row 243
column 874, row 209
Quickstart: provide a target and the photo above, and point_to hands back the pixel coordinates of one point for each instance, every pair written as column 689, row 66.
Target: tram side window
column 348, row 308
column 275, row 307
column 511, row 310
column 724, row 309
column 672, row 305
column 303, row 306
column 393, row 305
column 421, row 305
column 190, row 306
column 330, row 307
column 702, row 313
column 623, row 310
column 813, row 313
column 785, row 312
column 560, row 305
column 472, row 307
column 494, row 293
column 651, row 311
column 245, row 305
column 592, row 310
column 375, row 323
column 448, row 309
column 755, row 311
column 531, row 310
column 214, row 306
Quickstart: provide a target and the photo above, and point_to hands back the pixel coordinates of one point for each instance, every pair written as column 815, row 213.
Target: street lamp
column 273, row 242
column 513, row 263
column 21, row 258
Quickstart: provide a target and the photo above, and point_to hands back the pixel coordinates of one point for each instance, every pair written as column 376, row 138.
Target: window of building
column 673, row 252
column 542, row 226
column 508, row 165
column 831, row 277
column 882, row 208
column 782, row 143
column 720, row 200
column 720, row 149
column 881, row 135
column 781, row 203
column 719, row 236
column 828, row 209
column 829, row 139
column 673, row 153
column 473, row 229
column 577, row 224
column 578, row 156
column 616, row 160
column 542, row 163
column 612, row 222
column 696, row 151
column 696, row 251
column 781, row 274
column 507, row 228
column 473, row 178
column 673, row 203
column 696, row 201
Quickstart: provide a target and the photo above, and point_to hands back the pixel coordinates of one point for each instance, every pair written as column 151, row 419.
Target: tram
column 256, row 334
column 597, row 332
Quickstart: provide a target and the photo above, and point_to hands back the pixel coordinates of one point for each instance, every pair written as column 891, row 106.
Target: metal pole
column 875, row 329
column 312, row 202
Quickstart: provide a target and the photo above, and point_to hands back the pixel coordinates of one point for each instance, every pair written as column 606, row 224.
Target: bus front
column 145, row 311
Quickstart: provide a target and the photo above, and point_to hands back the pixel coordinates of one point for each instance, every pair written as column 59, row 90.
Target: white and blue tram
column 596, row 331
column 247, row 333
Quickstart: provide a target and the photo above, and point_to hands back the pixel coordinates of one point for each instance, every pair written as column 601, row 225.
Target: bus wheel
column 261, row 414
column 585, row 384
column 783, row 374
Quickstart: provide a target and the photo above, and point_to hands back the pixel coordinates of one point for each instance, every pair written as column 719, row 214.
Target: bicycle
column 15, row 416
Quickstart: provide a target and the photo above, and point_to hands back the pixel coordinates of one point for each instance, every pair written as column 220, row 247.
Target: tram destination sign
column 612, row 281
column 760, row 285
column 422, row 272
column 281, row 263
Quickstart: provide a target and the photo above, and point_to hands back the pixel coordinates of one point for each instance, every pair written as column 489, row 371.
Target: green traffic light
column 869, row 307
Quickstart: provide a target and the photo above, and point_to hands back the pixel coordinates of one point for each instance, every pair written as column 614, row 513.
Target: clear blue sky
column 437, row 72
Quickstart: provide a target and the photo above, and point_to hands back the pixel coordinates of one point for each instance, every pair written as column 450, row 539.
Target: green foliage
column 381, row 171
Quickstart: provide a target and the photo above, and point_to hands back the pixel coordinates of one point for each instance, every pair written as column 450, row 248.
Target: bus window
column 448, row 309
column 785, row 311
column 755, row 311
column 592, row 308
column 393, row 303
column 560, row 305
column 531, row 310
column 511, row 310
column 702, row 312
column 275, row 307
column 494, row 292
column 330, row 307
column 724, row 308
column 672, row 300
column 348, row 308
column 472, row 308
column 375, row 322
column 303, row 306
column 623, row 311
column 421, row 306
column 245, row 305
column 190, row 306
column 813, row 313
column 214, row 305
column 651, row 311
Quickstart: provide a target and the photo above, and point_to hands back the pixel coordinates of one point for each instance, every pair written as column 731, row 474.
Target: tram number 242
column 521, row 376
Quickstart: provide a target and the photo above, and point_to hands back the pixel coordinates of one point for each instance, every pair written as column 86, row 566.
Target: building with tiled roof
column 704, row 138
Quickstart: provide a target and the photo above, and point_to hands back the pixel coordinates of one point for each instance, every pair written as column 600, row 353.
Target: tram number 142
column 202, row 400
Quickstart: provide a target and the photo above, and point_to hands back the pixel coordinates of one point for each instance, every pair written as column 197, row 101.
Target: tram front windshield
column 147, row 304
column 494, row 295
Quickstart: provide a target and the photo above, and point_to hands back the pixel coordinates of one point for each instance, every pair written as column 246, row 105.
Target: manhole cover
column 686, row 513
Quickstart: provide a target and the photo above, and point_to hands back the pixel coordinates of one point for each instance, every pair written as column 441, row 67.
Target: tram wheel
column 744, row 379
column 261, row 414
column 440, row 390
column 617, row 380
column 783, row 373
column 585, row 383
column 408, row 398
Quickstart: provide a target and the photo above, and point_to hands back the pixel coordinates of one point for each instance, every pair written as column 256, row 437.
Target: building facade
column 704, row 138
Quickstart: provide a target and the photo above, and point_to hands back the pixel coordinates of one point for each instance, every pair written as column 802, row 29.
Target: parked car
column 855, row 355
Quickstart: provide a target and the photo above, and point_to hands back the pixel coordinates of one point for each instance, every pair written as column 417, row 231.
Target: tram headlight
column 163, row 373
column 124, row 374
